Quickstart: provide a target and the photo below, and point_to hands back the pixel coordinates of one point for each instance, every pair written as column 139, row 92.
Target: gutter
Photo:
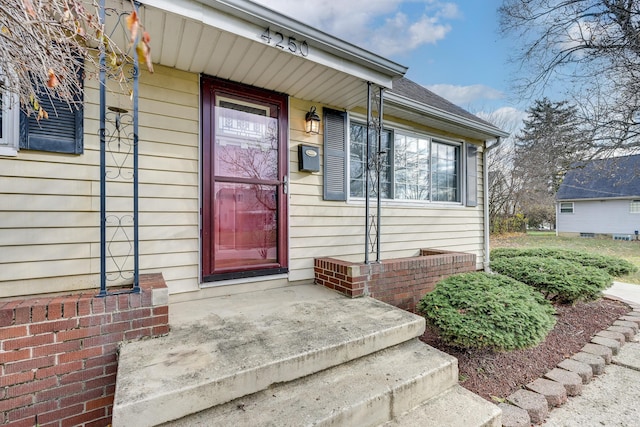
column 485, row 178
column 438, row 113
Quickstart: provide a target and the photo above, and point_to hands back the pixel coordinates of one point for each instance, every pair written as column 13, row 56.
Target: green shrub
column 613, row 265
column 559, row 280
column 480, row 310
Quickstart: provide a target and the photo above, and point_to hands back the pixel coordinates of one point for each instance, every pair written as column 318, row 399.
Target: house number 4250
column 285, row 43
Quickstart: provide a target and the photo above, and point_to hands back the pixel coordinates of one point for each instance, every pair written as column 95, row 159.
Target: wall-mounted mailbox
column 308, row 158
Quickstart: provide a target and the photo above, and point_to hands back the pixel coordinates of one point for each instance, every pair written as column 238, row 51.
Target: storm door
column 244, row 181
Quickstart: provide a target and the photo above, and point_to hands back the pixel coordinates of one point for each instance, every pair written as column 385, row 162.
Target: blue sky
column 450, row 46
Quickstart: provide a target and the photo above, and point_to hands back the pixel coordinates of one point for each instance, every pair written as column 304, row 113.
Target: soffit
column 226, row 42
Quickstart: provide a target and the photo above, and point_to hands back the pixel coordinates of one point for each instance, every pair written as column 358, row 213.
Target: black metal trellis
column 375, row 164
column 119, row 249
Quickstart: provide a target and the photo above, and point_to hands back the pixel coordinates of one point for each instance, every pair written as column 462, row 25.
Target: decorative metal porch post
column 119, row 251
column 375, row 163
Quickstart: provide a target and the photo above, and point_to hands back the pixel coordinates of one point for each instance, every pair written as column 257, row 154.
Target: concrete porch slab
column 365, row 392
column 223, row 348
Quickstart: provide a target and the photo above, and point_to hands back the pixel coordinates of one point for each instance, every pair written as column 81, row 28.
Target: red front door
column 244, row 181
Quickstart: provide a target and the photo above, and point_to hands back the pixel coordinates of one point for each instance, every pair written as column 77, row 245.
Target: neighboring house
column 224, row 205
column 601, row 197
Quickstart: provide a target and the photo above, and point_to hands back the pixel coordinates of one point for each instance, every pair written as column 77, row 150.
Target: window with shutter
column 335, row 154
column 62, row 132
column 472, row 175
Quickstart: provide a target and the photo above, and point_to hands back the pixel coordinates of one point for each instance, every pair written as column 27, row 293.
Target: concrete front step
column 456, row 407
column 228, row 347
column 365, row 392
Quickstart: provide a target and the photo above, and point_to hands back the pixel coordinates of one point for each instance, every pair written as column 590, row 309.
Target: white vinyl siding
column 599, row 217
column 49, row 215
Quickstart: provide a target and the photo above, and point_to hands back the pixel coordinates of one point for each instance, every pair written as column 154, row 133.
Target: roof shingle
column 419, row 93
column 614, row 177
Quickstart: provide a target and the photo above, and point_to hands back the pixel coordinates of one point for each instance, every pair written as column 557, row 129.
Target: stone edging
column 531, row 404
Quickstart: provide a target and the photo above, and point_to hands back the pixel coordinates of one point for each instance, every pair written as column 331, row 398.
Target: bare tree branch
column 44, row 45
column 590, row 47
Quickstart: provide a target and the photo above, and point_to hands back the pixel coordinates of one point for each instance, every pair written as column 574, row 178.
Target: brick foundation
column 400, row 282
column 58, row 358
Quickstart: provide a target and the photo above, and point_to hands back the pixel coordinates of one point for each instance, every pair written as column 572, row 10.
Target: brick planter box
column 400, row 282
column 58, row 355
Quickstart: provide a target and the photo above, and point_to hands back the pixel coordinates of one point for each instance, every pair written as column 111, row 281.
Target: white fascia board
column 249, row 20
column 487, row 130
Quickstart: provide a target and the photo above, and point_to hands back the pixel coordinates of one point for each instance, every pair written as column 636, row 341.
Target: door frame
column 209, row 87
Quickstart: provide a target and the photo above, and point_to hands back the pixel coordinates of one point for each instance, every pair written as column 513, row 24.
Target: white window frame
column 634, row 206
column 393, row 129
column 563, row 211
column 460, row 170
column 10, row 139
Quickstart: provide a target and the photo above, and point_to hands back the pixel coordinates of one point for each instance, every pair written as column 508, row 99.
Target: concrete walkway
column 627, row 292
column 610, row 399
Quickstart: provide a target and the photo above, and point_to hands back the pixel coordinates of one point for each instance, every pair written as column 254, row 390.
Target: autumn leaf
column 67, row 16
column 42, row 114
column 113, row 60
column 79, row 30
column 53, row 80
column 133, row 23
column 28, row 5
column 144, row 50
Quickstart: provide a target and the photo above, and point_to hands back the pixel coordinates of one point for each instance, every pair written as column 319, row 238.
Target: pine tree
column 550, row 142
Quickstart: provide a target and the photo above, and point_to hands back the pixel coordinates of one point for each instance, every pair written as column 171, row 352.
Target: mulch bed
column 495, row 375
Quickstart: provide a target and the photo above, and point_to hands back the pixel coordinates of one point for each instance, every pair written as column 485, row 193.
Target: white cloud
column 465, row 95
column 409, row 35
column 582, row 32
column 508, row 119
column 377, row 25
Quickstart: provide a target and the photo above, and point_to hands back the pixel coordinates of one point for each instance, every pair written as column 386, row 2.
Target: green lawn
column 534, row 239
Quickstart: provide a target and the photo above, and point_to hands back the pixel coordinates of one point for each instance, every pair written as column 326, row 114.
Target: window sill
column 408, row 203
column 8, row 151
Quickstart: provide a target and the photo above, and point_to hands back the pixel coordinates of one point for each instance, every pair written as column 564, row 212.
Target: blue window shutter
column 472, row 175
column 62, row 132
column 335, row 155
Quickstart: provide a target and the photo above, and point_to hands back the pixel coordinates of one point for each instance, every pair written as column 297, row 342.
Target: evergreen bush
column 487, row 311
column 559, row 280
column 613, row 265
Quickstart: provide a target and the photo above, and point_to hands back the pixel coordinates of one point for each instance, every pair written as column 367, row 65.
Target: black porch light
column 312, row 121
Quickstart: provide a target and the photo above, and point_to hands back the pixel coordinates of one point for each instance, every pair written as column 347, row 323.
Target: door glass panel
column 246, row 144
column 245, row 225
